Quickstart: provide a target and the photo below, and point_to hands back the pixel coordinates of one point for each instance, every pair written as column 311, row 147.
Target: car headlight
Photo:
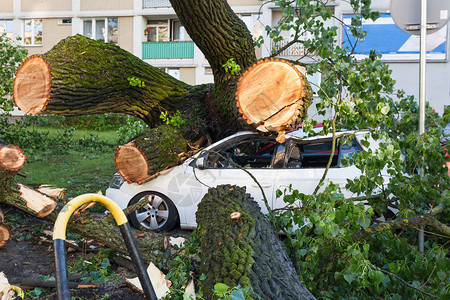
column 116, row 182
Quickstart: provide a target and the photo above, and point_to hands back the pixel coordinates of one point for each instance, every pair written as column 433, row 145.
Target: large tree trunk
column 238, row 246
column 81, row 76
column 220, row 35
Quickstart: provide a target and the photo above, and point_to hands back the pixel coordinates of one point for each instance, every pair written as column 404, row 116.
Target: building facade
column 151, row 30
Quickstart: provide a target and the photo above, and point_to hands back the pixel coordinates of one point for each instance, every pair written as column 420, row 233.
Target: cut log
column 272, row 95
column 52, row 191
column 5, row 287
column 150, row 153
column 243, row 250
column 12, row 158
column 39, row 203
column 159, row 282
column 32, row 85
column 5, row 235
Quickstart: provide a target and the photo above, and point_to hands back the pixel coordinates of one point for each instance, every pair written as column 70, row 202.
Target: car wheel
column 159, row 214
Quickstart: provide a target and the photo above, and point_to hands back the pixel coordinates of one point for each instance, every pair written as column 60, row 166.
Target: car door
column 306, row 161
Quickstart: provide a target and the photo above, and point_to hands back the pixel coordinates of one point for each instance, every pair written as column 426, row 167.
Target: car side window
column 254, row 153
column 316, row 154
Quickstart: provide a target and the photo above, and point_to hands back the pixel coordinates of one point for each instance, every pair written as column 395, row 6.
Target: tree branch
column 409, row 285
column 402, row 223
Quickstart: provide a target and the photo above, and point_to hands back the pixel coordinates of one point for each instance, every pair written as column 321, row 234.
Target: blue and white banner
column 393, row 43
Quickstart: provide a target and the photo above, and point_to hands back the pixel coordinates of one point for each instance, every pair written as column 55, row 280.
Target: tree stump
column 238, row 246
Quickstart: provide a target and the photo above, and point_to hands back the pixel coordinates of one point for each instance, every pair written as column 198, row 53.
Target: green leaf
column 385, row 110
column 392, row 266
column 350, row 277
column 220, row 289
column 95, row 275
column 37, row 291
column 441, row 275
column 202, row 277
column 376, row 276
column 237, row 295
column 187, row 296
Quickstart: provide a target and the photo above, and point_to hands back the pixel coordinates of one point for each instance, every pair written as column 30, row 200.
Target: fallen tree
column 239, row 247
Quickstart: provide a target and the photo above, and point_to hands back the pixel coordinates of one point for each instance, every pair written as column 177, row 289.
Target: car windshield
column 264, row 152
column 253, row 153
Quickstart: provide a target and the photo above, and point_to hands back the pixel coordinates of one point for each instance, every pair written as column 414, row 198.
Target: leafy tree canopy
column 11, row 56
column 339, row 247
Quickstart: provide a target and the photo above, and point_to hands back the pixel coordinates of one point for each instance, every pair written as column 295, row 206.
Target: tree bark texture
column 90, row 77
column 150, row 153
column 238, row 246
column 220, row 35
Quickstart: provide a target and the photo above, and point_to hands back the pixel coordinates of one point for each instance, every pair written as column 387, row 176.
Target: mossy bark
column 161, row 146
column 150, row 152
column 243, row 250
column 91, row 77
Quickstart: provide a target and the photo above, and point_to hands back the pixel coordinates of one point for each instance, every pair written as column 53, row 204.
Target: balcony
column 164, row 50
column 293, row 50
column 155, row 3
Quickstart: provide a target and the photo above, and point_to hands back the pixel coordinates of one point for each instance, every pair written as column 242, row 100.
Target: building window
column 174, row 72
column 33, row 32
column 178, row 33
column 157, row 31
column 64, row 21
column 105, row 29
column 6, row 26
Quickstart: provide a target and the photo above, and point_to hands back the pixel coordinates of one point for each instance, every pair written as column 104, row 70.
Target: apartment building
column 151, row 30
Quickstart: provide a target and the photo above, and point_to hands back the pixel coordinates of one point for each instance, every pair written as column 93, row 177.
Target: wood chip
column 159, row 282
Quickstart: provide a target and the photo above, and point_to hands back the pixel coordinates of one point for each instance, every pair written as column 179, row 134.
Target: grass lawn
column 82, row 171
column 109, row 137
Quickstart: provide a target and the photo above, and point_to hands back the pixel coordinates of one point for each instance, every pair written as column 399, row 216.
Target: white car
column 174, row 195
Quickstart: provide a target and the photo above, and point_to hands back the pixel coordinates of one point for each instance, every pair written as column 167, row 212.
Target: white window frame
column 11, row 33
column 61, row 21
column 94, row 22
column 157, row 26
column 32, row 32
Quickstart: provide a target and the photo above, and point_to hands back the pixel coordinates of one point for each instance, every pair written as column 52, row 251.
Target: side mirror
column 200, row 163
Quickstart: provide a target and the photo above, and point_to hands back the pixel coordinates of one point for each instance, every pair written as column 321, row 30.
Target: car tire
column 160, row 214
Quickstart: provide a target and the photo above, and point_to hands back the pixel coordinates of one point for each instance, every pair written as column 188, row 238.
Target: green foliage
column 134, row 81
column 82, row 163
column 99, row 122
column 223, row 291
column 11, row 56
column 96, row 269
column 362, row 96
column 175, row 120
column 232, row 67
column 130, row 129
column 33, row 141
